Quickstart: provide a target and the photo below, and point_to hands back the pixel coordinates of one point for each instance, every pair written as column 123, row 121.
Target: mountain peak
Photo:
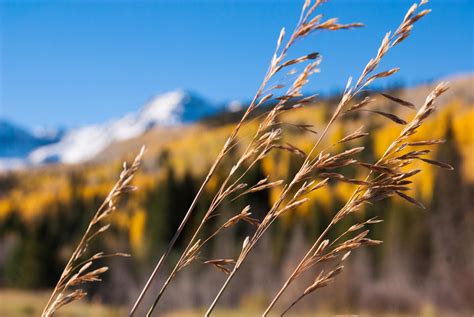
column 176, row 107
column 165, row 108
column 171, row 108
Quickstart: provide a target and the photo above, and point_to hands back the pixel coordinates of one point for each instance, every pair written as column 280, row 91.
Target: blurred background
column 83, row 84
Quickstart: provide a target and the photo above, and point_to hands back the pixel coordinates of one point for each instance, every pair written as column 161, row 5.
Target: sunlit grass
column 16, row 303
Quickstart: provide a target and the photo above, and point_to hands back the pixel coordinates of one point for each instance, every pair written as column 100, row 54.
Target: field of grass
column 17, row 303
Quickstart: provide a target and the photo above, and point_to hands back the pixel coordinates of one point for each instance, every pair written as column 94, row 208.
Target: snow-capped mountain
column 82, row 144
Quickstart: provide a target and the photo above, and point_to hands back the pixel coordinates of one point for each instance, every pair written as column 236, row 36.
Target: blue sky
column 70, row 63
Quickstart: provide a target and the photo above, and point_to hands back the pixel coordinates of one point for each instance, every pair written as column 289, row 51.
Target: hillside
column 457, row 102
column 45, row 209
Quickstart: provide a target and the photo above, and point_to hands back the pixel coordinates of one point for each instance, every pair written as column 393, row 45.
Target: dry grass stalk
column 389, row 179
column 78, row 269
column 262, row 142
column 265, row 139
column 317, row 167
column 314, row 163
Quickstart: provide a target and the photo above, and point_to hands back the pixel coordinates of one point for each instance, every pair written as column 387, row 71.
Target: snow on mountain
column 174, row 108
column 82, row 144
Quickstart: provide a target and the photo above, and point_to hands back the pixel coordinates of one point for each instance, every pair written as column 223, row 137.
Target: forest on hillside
column 425, row 260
